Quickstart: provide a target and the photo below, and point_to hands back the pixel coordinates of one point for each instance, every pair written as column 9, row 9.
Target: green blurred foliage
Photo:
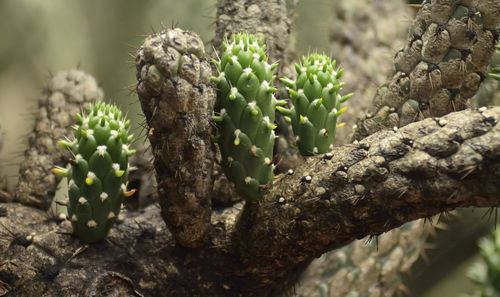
column 485, row 273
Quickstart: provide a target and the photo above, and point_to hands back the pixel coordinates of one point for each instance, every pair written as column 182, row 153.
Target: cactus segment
column 99, row 171
column 495, row 74
column 316, row 103
column 245, row 109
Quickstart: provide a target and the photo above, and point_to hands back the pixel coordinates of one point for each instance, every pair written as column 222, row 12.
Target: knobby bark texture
column 387, row 179
column 362, row 42
column 177, row 98
column 450, row 44
column 365, row 189
column 363, row 39
column 271, row 20
column 370, row 267
column 337, row 198
column 64, row 96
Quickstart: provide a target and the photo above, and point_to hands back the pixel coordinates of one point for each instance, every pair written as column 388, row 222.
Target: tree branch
column 369, row 267
column 366, row 197
column 368, row 188
column 177, row 99
column 65, row 95
column 449, row 45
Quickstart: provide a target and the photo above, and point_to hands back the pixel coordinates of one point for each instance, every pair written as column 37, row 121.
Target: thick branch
column 177, row 99
column 65, row 95
column 367, row 188
column 39, row 257
column 427, row 167
column 449, row 45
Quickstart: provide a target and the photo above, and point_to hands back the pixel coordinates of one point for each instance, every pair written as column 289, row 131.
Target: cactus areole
column 244, row 112
column 97, row 179
column 315, row 103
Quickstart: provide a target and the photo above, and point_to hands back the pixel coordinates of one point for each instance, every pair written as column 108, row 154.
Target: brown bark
column 389, row 178
column 65, row 95
column 449, row 45
column 363, row 38
column 177, row 98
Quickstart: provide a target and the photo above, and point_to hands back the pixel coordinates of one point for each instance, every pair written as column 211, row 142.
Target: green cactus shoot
column 245, row 109
column 495, row 74
column 315, row 103
column 97, row 179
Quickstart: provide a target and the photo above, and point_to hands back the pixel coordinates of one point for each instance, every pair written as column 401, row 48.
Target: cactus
column 496, row 70
column 316, row 103
column 245, row 109
column 99, row 171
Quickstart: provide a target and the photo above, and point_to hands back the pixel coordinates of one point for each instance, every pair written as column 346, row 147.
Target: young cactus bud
column 245, row 109
column 98, row 174
column 316, row 103
column 495, row 74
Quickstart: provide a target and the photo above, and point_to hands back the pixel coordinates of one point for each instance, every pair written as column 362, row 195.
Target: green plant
column 315, row 103
column 485, row 274
column 245, row 109
column 97, row 179
column 496, row 70
column 246, row 105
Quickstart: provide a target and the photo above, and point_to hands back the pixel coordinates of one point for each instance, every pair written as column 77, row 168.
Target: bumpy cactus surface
column 245, row 113
column 97, row 179
column 316, row 103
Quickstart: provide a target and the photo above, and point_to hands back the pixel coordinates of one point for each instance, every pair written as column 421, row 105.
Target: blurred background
column 41, row 37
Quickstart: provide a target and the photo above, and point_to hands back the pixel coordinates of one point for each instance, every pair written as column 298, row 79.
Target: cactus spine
column 316, row 103
column 245, row 109
column 98, row 175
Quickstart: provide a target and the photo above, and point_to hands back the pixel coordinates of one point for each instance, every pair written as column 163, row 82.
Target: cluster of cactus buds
column 97, row 179
column 315, row 103
column 245, row 110
column 246, row 105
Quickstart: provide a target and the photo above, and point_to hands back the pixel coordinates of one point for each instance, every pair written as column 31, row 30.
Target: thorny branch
column 363, row 189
